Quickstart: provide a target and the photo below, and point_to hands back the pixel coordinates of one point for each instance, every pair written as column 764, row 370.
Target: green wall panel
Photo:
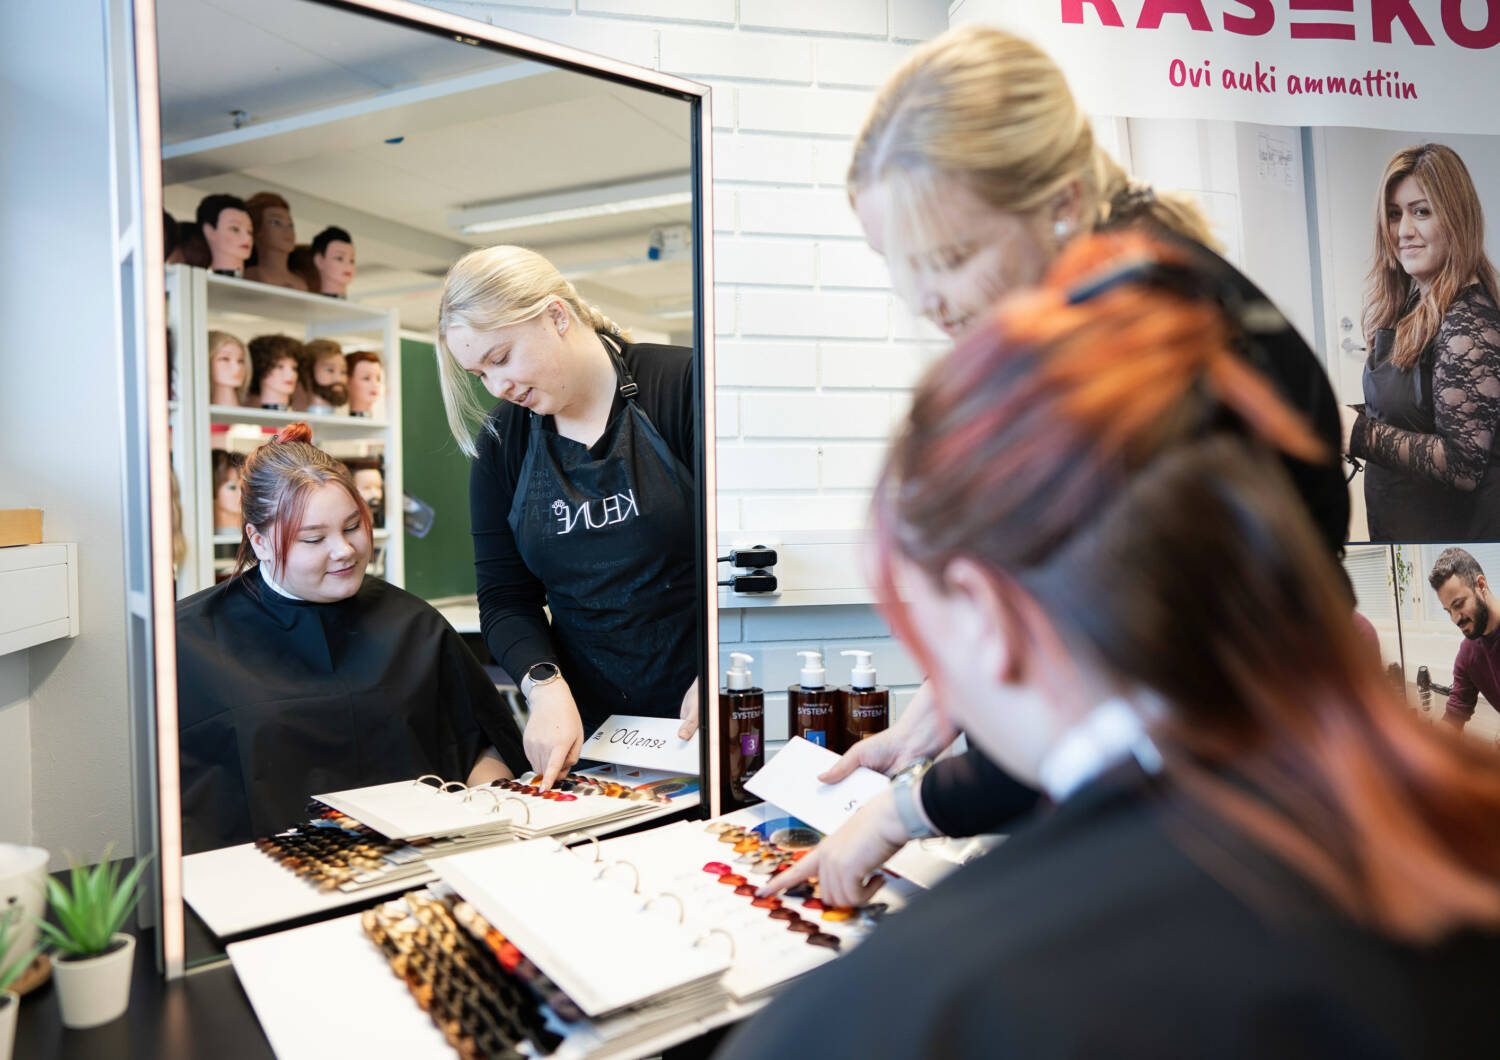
column 435, row 470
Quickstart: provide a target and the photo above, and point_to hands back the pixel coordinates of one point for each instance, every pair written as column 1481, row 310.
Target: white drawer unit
column 38, row 594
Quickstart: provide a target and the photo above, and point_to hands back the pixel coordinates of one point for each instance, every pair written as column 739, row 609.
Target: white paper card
column 648, row 742
column 790, row 780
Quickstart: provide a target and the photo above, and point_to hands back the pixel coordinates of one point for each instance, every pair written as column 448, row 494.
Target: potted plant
column 13, row 962
column 93, row 957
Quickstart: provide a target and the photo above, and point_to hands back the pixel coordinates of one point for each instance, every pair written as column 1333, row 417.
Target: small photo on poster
column 1438, row 623
column 1376, row 245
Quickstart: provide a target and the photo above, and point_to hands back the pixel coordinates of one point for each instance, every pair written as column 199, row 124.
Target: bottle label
column 817, row 736
column 750, row 744
column 817, row 710
column 868, row 712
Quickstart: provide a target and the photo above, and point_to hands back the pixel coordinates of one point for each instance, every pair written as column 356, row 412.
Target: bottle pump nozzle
column 863, row 673
column 813, row 674
column 739, row 676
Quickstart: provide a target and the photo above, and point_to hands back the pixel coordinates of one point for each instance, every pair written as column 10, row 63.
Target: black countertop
column 204, row 1015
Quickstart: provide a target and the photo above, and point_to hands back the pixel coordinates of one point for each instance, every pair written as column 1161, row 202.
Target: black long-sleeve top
column 1465, row 400
column 511, row 597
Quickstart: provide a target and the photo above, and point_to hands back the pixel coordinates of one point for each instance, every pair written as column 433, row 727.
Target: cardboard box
column 20, row 526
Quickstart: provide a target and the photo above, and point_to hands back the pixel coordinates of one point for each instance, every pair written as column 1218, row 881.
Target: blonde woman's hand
column 922, row 731
column 689, row 713
column 553, row 738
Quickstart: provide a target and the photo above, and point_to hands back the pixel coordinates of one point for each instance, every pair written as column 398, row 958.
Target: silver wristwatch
column 542, row 673
column 906, row 788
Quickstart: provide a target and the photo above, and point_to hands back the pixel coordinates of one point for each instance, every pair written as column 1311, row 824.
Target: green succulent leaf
column 13, row 959
column 93, row 906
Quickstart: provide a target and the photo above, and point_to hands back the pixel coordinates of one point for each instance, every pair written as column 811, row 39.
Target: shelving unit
column 198, row 302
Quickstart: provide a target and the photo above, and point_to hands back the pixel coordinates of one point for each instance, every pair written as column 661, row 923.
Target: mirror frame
column 142, row 294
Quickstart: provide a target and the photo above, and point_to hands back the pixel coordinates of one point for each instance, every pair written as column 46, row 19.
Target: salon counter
column 204, row 1015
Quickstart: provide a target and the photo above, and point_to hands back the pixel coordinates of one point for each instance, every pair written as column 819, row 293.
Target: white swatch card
column 790, row 780
column 651, row 743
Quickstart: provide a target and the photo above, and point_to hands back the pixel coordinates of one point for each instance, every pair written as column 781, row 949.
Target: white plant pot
column 10, row 1009
column 95, row 990
column 23, row 883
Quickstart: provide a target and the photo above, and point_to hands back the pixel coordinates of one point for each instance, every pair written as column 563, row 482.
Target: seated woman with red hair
column 1087, row 534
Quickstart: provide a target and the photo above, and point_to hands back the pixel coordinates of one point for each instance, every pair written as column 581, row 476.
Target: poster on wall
column 1405, row 64
column 1286, row 119
column 1348, row 158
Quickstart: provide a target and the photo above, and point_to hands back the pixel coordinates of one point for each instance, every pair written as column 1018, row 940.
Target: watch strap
column 905, row 791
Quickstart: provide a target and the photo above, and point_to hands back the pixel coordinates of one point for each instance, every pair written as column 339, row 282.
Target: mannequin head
column 325, row 374
column 171, row 239
column 304, row 519
column 271, row 217
column 227, row 468
column 369, row 480
column 333, row 257
column 508, row 287
column 274, row 361
column 228, row 369
column 225, row 223
column 366, row 381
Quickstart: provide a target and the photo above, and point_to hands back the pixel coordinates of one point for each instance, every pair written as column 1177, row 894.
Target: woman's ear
column 260, row 546
column 558, row 314
column 989, row 618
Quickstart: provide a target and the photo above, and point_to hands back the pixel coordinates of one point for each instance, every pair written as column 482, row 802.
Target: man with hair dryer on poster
column 1465, row 594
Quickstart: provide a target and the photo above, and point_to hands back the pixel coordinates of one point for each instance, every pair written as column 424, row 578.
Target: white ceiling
column 387, row 131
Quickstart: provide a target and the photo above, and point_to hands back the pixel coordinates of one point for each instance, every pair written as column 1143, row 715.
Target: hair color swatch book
column 564, row 912
column 688, row 880
column 416, row 809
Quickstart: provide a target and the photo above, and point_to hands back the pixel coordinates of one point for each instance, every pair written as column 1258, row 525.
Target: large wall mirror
column 372, row 144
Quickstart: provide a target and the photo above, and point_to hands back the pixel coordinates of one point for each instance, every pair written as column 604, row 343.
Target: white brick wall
column 814, row 357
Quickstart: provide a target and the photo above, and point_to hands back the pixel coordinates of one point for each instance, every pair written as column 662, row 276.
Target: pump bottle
column 742, row 720
column 864, row 708
column 813, row 707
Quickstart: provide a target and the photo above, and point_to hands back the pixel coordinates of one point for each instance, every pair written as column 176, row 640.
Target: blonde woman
column 974, row 170
column 1432, row 378
column 582, row 498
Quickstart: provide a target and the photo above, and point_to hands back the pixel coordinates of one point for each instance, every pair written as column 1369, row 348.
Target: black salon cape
column 280, row 699
column 1115, row 927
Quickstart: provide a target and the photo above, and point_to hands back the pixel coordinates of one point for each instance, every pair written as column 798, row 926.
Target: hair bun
column 294, row 432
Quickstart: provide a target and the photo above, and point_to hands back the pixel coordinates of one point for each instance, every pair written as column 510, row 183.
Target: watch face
column 542, row 672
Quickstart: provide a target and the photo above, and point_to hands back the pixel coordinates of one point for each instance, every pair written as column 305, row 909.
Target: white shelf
column 316, row 314
column 324, row 425
column 38, row 595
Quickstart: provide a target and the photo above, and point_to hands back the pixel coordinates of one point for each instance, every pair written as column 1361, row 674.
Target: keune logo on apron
column 615, row 508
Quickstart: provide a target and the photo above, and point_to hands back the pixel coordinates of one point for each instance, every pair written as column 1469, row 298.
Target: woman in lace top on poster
column 1427, row 429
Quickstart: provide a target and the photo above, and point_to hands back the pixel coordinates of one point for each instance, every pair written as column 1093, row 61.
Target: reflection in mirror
column 321, row 178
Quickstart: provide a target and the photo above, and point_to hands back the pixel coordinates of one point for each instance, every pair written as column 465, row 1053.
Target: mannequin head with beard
column 325, row 373
column 1465, row 593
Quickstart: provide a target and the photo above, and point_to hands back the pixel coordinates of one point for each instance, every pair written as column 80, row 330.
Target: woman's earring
column 1062, row 228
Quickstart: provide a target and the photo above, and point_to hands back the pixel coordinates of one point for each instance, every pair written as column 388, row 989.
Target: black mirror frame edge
column 151, row 640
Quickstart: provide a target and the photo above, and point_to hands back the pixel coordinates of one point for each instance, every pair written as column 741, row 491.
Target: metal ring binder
column 430, row 776
column 485, row 791
column 598, row 853
column 453, row 784
column 636, row 888
column 716, row 931
column 681, row 906
column 519, row 802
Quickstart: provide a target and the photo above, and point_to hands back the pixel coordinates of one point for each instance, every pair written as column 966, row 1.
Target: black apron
column 609, row 530
column 1401, row 505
